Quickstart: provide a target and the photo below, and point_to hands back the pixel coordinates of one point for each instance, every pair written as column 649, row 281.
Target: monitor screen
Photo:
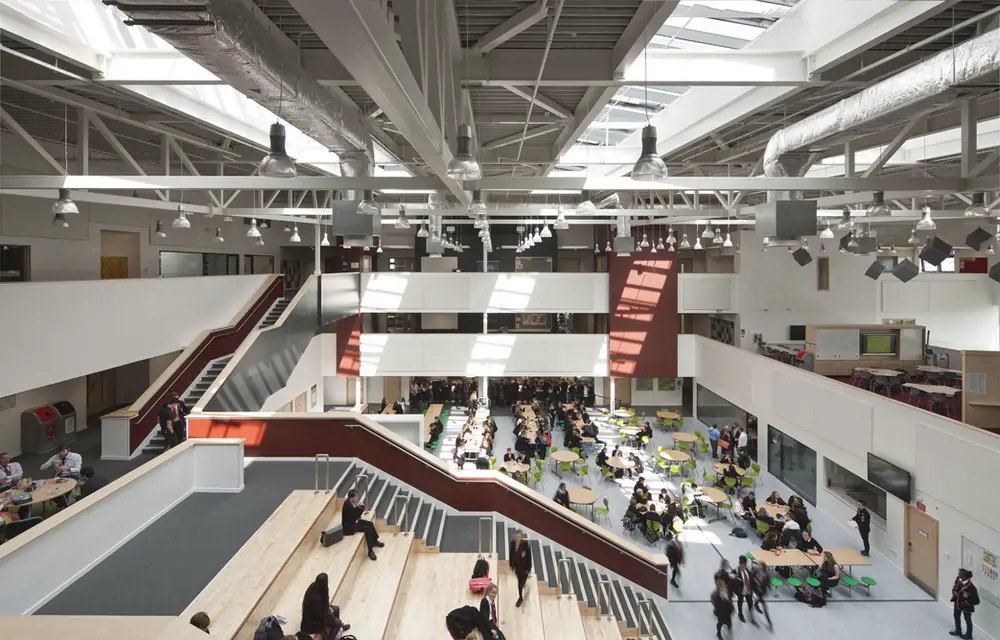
column 889, row 477
column 878, row 344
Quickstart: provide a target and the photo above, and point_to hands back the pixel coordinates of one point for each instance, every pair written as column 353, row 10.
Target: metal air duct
column 237, row 43
column 922, row 87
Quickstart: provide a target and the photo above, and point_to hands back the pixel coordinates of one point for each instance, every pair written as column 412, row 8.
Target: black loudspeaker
column 935, row 251
column 905, row 270
column 977, row 238
column 995, row 272
column 331, row 536
column 802, row 256
column 875, row 270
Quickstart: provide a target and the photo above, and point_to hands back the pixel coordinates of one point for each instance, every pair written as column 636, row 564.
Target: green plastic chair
column 730, row 482
column 709, row 478
column 756, row 467
column 583, row 472
column 678, row 527
column 493, row 464
column 553, row 449
column 850, row 583
column 603, row 511
column 565, row 467
column 776, row 583
column 676, row 470
column 746, row 483
column 691, row 465
column 608, row 474
column 536, row 476
column 794, row 583
column 868, row 583
column 813, row 582
column 664, row 466
column 753, row 475
column 701, row 447
column 698, row 434
column 661, row 448
column 645, row 440
column 762, row 528
column 683, row 446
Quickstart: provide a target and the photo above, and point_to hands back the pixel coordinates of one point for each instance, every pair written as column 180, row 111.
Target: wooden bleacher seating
column 117, row 627
column 368, row 593
column 561, row 617
column 518, row 622
column 601, row 628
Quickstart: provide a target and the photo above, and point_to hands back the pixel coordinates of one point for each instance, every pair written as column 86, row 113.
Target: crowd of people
column 427, row 391
column 508, row 391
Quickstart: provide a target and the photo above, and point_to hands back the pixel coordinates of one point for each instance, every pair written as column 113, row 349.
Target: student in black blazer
column 352, row 522
column 519, row 556
column 562, row 495
column 965, row 597
column 489, row 609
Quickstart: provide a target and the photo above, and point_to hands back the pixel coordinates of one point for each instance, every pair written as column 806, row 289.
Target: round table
column 683, row 436
column 674, row 455
column 776, row 511
column 49, row 489
column 624, row 413
column 720, row 468
column 564, row 455
column 513, row 466
column 619, row 463
column 668, row 415
column 713, row 495
column 583, row 497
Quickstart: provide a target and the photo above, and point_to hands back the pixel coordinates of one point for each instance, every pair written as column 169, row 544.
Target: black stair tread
column 588, row 589
column 372, row 492
column 412, row 506
column 625, row 609
column 643, row 623
column 434, row 530
column 658, row 619
column 345, row 486
column 562, row 581
column 421, row 524
column 550, row 566
column 575, row 577
column 394, row 513
column 537, row 559
column 385, row 502
column 602, row 597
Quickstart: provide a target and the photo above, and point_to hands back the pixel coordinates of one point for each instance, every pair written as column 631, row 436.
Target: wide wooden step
column 368, row 592
column 561, row 618
column 602, row 628
column 518, row 623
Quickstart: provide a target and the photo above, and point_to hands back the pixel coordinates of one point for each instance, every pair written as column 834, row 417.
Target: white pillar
column 611, row 392
column 317, row 258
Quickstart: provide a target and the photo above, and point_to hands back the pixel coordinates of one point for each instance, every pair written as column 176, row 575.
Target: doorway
column 391, row 388
column 119, row 254
column 102, row 391
column 921, row 563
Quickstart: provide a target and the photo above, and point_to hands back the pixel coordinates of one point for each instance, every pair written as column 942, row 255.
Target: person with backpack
column 519, row 557
column 965, row 596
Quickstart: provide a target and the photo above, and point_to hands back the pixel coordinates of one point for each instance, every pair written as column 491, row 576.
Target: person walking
column 722, row 607
column 675, row 554
column 745, row 590
column 863, row 520
column 760, row 579
column 965, row 596
column 713, row 438
column 519, row 557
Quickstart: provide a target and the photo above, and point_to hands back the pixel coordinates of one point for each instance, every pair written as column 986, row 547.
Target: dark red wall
column 349, row 346
column 643, row 317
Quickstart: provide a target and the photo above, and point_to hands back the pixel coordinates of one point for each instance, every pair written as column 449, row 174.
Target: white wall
column 707, row 293
column 461, row 354
column 56, row 331
column 74, row 390
column 947, row 459
column 483, row 292
column 654, row 398
column 958, row 309
column 409, row 426
column 775, row 292
column 67, row 545
column 307, row 373
column 75, row 253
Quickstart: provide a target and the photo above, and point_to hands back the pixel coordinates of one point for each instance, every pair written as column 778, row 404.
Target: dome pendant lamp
column 650, row 166
column 277, row 163
column 462, row 165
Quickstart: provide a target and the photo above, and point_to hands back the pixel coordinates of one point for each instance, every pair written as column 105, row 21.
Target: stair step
column 433, row 538
column 561, row 617
column 412, row 509
column 550, row 567
column 538, row 560
column 563, row 580
column 626, row 611
column 526, row 620
column 423, row 517
column 348, row 481
column 602, row 597
column 362, row 598
column 385, row 503
column 601, row 628
column 587, row 589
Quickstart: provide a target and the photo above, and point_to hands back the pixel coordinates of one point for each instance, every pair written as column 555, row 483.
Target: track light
column 845, row 222
column 878, row 206
column 253, row 231
column 181, row 221
column 296, row 238
column 462, row 165
column 64, row 204
column 218, row 236
column 160, row 233
column 277, row 163
column 59, row 220
column 977, row 209
column 926, row 223
column 401, row 221
column 650, row 165
column 325, row 242
column 827, row 232
column 367, row 206
column 586, row 206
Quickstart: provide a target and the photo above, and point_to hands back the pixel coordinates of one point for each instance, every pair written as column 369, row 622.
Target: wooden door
column 921, row 563
column 101, row 391
column 391, row 389
column 114, row 268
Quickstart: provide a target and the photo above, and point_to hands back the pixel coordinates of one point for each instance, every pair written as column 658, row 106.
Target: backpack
column 480, row 576
column 812, row 599
column 269, row 629
column 738, row 532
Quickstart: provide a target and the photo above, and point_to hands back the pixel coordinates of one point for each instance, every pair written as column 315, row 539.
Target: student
column 791, row 531
column 675, row 555
column 809, row 544
column 602, row 458
column 726, row 440
column 745, row 591
column 741, row 441
column 65, row 465
column 352, row 522
column 173, row 421
column 319, row 614
column 965, row 596
column 664, row 497
column 863, row 519
column 520, row 562
column 632, row 512
column 749, row 503
column 829, row 573
column 761, row 580
column 201, row 621
column 713, row 438
column 764, row 517
column 771, row 541
column 744, row 461
column 639, row 491
column 509, row 456
column 89, row 483
column 488, row 610
column 774, row 498
column 10, row 472
column 562, row 495
column 722, row 607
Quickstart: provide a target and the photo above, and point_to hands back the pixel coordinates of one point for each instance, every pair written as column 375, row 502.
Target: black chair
column 17, row 527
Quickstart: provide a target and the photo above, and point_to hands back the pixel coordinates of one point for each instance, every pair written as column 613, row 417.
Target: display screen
column 878, row 344
column 889, row 477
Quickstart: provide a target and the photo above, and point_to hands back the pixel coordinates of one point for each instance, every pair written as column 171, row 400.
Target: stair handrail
column 569, row 578
column 358, row 478
column 650, row 629
column 605, row 584
column 326, row 486
column 403, row 520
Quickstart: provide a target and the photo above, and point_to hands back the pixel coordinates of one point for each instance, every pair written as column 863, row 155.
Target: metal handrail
column 569, row 578
column 358, row 478
column 606, row 585
column 650, row 630
column 492, row 541
column 404, row 519
column 326, row 457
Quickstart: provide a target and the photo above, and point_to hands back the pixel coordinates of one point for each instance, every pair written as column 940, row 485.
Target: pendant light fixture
column 259, row 242
column 59, row 220
column 878, row 206
column 671, row 240
column 482, row 222
column 978, row 207
column 728, row 242
column 253, row 231
column 685, row 243
column 644, row 244
column 477, row 206
column 64, row 205
column 546, row 232
column 853, row 242
column 160, row 233
column 422, row 231
column 537, row 238
column 181, row 221
column 990, row 250
column 586, row 205
column 401, row 221
column 325, row 242
column 697, row 244
column 913, row 240
column 277, row 163
column 218, row 235
column 288, row 228
column 649, row 166
column 659, row 244
column 367, row 206
column 718, row 236
column 462, row 165
column 561, row 224
column 597, row 248
column 607, row 247
column 652, row 248
column 436, row 201
column 379, row 250
column 296, row 238
column 845, row 224
column 708, row 234
column 926, row 223
column 827, row 232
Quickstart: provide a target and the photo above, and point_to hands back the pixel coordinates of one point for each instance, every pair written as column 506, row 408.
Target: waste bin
column 39, row 430
column 65, row 421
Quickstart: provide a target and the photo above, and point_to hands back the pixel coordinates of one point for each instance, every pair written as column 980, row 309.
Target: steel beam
column 12, row 124
column 523, row 19
column 518, row 137
column 541, row 100
column 26, row 29
column 891, row 149
column 969, row 138
column 365, row 43
column 120, row 149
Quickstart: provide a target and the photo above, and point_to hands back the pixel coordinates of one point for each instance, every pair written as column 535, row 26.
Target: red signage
column 921, row 506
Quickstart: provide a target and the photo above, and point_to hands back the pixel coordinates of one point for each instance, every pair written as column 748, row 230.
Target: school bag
column 738, row 532
column 480, row 576
column 269, row 629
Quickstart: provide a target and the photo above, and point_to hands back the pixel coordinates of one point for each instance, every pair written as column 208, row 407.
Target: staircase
column 274, row 313
column 191, row 396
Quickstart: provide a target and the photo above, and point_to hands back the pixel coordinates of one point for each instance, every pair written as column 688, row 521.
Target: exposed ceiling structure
column 556, row 91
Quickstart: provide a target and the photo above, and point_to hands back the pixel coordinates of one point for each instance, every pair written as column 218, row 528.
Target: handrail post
column 403, row 519
column 569, row 578
column 604, row 585
column 640, row 601
column 357, row 479
column 325, row 458
column 479, row 545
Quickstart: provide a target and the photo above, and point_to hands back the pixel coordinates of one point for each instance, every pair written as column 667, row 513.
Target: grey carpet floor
column 161, row 570
column 88, row 445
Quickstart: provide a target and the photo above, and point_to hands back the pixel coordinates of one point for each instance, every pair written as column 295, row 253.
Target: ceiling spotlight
column 546, row 232
column 277, row 163
column 845, row 222
column 708, row 234
column 296, row 238
column 160, row 233
column 827, row 232
column 367, row 206
column 477, row 206
column 685, row 243
column 878, row 206
column 913, row 240
column 422, row 232
column 259, row 242
column 926, row 223
column 181, row 221
column 59, row 220
column 977, row 209
column 670, row 236
column 462, row 165
column 990, row 250
column 718, row 236
column 728, row 243
column 650, row 165
column 587, row 206
column 218, row 235
column 64, row 204
column 252, row 232
column 644, row 244
column 401, row 221
column 697, row 244
column 325, row 242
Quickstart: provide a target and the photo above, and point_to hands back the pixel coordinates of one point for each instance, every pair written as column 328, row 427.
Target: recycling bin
column 65, row 421
column 39, row 427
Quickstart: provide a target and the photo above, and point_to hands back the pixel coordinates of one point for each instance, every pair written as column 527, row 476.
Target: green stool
column 869, row 583
column 794, row 583
column 776, row 583
column 850, row 583
column 813, row 582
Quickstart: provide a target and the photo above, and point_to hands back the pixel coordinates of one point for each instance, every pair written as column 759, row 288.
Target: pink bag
column 480, row 576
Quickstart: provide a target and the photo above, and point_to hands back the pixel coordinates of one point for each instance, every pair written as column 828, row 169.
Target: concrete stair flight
column 273, row 313
column 191, row 396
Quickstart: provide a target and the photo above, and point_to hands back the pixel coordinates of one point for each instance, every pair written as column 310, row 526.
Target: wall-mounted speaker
column 875, row 270
column 905, row 270
column 995, row 272
column 802, row 256
column 977, row 238
column 935, row 251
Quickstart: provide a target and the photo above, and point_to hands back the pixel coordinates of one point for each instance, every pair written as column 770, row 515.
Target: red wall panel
column 642, row 294
column 349, row 346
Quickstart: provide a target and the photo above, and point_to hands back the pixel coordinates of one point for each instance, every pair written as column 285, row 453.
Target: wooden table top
column 619, row 463
column 674, row 455
column 683, row 436
column 783, row 558
column 881, row 372
column 774, row 510
column 579, row 495
column 564, row 455
column 933, row 388
column 720, row 468
column 516, row 467
column 50, row 489
column 668, row 415
column 848, row 557
column 712, row 494
column 623, row 413
column 931, row 369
